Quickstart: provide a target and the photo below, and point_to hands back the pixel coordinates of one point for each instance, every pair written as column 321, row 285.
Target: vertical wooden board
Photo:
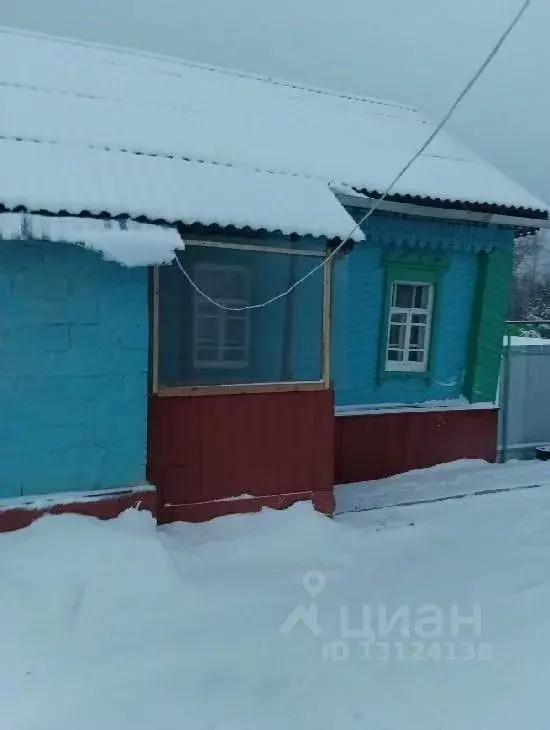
column 492, row 297
column 226, row 443
column 441, row 437
column 162, row 444
column 262, row 444
column 237, row 443
column 297, row 446
column 263, row 468
column 274, row 464
column 471, row 358
column 480, row 431
column 153, row 439
column 372, row 446
column 176, row 448
column 338, row 451
column 376, row 446
column 389, row 443
column 184, row 424
column 215, row 447
column 284, row 459
column 309, row 441
column 492, row 323
column 324, row 446
column 430, row 440
column 187, row 427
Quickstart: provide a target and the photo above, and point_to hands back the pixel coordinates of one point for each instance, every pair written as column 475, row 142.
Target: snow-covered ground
column 117, row 626
column 447, row 481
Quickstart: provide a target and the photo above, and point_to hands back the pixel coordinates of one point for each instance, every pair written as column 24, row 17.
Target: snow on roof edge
column 136, row 245
column 177, row 191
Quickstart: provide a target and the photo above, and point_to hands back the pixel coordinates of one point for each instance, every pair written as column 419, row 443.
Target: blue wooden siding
column 358, row 309
column 73, row 370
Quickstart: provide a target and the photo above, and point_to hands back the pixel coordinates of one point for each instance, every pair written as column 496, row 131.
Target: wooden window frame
column 222, row 363
column 202, row 390
column 406, row 365
column 418, row 268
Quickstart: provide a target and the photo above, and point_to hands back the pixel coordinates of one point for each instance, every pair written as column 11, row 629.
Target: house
column 171, row 333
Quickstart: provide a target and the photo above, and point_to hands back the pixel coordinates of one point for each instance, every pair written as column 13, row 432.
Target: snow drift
column 119, row 626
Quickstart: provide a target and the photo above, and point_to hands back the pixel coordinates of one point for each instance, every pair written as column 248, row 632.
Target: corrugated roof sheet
column 80, row 95
column 131, row 244
column 73, row 179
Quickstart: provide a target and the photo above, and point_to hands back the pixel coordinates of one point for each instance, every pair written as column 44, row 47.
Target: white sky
column 415, row 51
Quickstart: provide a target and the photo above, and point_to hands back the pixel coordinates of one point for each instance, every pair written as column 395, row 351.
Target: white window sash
column 222, row 361
column 407, row 365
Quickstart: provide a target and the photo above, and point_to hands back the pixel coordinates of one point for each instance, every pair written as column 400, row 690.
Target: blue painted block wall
column 73, row 370
column 358, row 310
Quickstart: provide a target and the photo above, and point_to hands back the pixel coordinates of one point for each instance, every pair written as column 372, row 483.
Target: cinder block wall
column 73, row 370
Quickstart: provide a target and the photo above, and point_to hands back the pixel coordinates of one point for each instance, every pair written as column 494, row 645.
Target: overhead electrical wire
column 376, row 203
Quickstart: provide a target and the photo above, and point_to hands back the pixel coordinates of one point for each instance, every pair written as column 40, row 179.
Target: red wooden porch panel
column 175, row 447
column 451, row 435
column 374, row 446
column 212, row 447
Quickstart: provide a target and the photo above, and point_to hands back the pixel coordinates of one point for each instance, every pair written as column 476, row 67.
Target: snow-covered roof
column 74, row 178
column 87, row 126
column 128, row 243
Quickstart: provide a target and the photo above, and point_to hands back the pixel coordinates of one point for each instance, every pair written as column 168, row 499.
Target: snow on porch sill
column 135, row 244
column 458, row 404
column 45, row 501
column 72, row 179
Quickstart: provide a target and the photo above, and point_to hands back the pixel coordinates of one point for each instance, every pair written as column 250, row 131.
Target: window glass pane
column 403, row 295
column 398, row 317
column 201, row 344
column 236, row 286
column 208, row 328
column 207, row 354
column 207, row 280
column 417, row 337
column 396, row 355
column 236, row 332
column 408, row 327
column 220, row 283
column 421, row 297
column 205, row 308
column 397, row 336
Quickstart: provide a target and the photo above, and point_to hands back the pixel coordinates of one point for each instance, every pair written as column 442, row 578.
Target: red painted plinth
column 378, row 445
column 213, row 455
column 202, row 511
column 105, row 506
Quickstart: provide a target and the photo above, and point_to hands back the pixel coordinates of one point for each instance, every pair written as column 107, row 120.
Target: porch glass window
column 201, row 344
column 410, row 318
column 221, row 337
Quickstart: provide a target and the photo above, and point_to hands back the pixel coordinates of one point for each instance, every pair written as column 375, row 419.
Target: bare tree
column 531, row 283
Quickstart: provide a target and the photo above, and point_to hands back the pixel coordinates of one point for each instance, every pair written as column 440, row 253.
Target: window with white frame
column 221, row 338
column 409, row 325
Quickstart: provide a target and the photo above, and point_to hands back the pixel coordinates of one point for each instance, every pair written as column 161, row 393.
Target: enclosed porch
column 241, row 412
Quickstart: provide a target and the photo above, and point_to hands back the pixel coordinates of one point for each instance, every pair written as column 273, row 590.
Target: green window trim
column 492, row 294
column 411, row 267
